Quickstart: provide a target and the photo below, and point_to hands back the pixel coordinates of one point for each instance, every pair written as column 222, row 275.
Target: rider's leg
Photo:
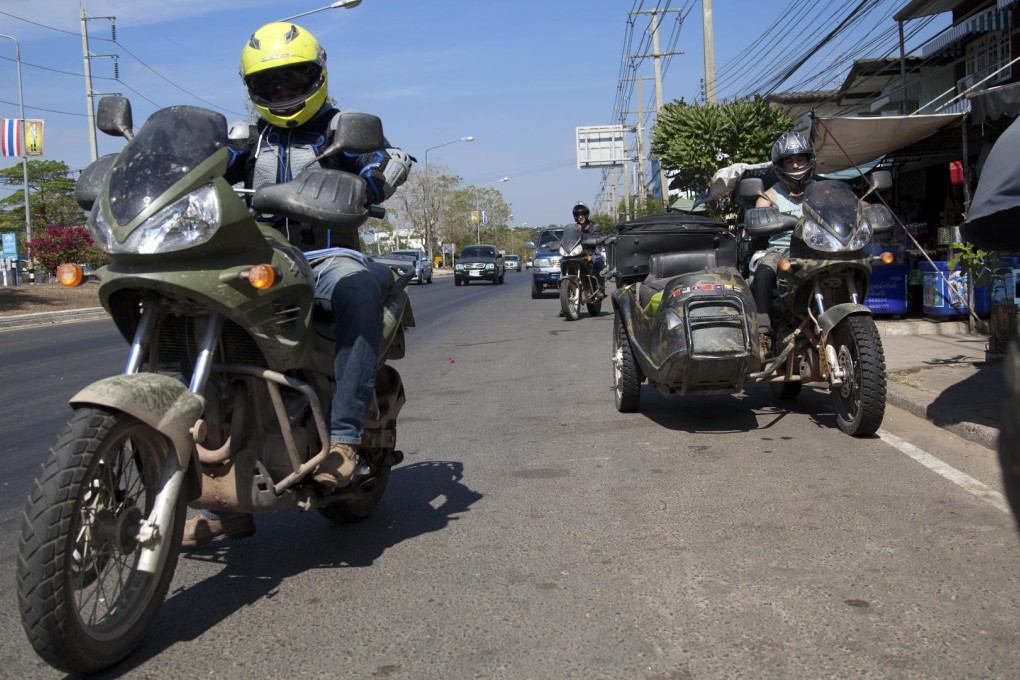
column 355, row 299
column 600, row 266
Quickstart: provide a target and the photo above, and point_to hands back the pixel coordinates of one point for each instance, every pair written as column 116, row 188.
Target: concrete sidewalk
column 935, row 369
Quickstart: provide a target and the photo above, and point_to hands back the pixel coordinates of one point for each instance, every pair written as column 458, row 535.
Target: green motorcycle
column 223, row 399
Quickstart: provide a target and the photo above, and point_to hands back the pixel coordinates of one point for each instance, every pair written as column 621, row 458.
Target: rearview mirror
column 355, row 133
column 881, row 180
column 113, row 117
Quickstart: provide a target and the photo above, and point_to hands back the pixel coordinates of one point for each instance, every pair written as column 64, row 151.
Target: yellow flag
column 33, row 137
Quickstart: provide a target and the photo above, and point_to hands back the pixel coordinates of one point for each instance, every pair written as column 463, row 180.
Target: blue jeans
column 352, row 293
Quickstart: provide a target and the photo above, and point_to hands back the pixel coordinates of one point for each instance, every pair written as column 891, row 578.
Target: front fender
column 833, row 315
column 159, row 401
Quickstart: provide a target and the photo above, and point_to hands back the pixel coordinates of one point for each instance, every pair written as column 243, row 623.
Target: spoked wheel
column 786, row 390
column 83, row 602
column 860, row 401
column 361, row 498
column 626, row 374
column 570, row 299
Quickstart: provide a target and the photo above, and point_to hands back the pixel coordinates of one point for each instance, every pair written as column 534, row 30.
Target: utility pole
column 706, row 21
column 88, row 57
column 639, row 130
column 657, row 62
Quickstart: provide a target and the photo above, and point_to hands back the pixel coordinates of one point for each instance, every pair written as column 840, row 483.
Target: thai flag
column 11, row 137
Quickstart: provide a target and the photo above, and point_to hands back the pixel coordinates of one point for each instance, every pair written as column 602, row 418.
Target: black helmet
column 581, row 209
column 793, row 144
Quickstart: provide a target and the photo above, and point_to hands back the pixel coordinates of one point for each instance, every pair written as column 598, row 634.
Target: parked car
column 545, row 265
column 512, row 262
column 422, row 266
column 479, row 263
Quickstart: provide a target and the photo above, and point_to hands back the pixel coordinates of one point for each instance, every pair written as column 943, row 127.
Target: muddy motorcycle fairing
column 696, row 338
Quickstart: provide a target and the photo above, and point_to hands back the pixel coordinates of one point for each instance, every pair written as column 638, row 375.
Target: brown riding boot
column 201, row 529
column 338, row 467
column 765, row 344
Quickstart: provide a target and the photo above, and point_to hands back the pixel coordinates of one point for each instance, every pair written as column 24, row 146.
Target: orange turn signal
column 785, row 264
column 261, row 276
column 887, row 257
column 69, row 274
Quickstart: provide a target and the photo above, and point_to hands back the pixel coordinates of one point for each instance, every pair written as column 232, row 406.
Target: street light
column 428, row 225
column 346, row 4
column 24, row 154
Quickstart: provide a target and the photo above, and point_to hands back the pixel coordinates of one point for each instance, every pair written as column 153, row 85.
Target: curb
column 913, row 401
column 52, row 318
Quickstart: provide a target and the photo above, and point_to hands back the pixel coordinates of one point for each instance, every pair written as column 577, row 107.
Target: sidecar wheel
column 786, row 390
column 626, row 374
column 84, row 605
column 860, row 401
column 362, row 504
column 570, row 299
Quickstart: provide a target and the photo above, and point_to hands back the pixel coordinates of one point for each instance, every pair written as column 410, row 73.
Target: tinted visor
column 294, row 79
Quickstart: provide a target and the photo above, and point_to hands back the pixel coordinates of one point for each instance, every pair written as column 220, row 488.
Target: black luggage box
column 699, row 243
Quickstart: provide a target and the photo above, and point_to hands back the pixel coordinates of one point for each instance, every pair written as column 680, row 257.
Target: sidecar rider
column 284, row 71
column 793, row 159
column 592, row 233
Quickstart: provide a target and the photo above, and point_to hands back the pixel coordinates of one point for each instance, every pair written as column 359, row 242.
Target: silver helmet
column 793, row 144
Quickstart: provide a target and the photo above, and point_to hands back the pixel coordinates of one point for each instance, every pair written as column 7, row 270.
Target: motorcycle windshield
column 833, row 206
column 571, row 237
column 170, row 144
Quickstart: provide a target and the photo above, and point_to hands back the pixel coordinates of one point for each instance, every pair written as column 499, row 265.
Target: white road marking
column 961, row 479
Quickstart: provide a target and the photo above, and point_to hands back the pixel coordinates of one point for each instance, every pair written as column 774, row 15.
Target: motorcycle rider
column 582, row 216
column 283, row 68
column 793, row 160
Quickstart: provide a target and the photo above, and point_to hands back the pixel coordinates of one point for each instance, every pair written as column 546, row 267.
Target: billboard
column 600, row 145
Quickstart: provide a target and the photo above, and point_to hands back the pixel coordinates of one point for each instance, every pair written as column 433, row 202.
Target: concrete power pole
column 706, row 20
column 89, row 92
column 657, row 62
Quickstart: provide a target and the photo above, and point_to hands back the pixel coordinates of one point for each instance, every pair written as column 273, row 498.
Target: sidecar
column 683, row 313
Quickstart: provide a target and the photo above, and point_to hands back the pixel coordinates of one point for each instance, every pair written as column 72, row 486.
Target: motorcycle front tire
column 860, row 401
column 83, row 603
column 570, row 299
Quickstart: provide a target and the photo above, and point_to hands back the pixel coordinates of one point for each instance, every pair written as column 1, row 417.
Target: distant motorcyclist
column 793, row 159
column 591, row 234
column 283, row 68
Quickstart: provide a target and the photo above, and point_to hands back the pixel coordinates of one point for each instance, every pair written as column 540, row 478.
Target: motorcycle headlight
column 861, row 238
column 187, row 222
column 576, row 250
column 821, row 240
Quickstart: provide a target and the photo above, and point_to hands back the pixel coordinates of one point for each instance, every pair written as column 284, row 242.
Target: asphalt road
column 534, row 532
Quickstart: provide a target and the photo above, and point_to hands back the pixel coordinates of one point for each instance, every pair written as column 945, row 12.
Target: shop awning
column 843, row 142
column 992, row 19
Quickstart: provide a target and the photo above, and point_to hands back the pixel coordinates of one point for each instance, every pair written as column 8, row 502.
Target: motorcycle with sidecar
column 685, row 319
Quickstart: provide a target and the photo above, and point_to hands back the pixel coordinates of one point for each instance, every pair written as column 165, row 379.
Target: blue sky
column 519, row 76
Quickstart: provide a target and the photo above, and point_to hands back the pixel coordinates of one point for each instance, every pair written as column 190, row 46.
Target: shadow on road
column 421, row 498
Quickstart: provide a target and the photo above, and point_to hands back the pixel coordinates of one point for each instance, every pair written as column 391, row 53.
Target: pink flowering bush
column 65, row 244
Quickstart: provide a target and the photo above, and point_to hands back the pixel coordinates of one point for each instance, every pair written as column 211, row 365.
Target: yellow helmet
column 284, row 69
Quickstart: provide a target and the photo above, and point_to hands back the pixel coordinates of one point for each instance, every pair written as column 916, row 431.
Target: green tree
column 692, row 141
column 51, row 197
column 60, row 244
